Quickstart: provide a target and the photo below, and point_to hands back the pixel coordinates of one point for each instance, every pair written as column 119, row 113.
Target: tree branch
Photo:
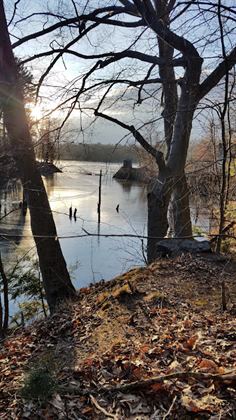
column 138, row 136
column 158, row 26
column 178, row 62
column 213, row 79
column 112, row 10
column 129, row 7
column 111, row 56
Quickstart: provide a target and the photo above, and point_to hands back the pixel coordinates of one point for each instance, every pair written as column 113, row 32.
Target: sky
column 66, row 75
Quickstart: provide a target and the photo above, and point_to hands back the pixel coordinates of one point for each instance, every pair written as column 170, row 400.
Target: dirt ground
column 153, row 343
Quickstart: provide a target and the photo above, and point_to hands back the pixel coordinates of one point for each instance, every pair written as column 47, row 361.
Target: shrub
column 39, row 384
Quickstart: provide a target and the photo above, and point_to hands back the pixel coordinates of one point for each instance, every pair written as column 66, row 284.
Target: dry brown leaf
column 192, row 342
column 208, row 366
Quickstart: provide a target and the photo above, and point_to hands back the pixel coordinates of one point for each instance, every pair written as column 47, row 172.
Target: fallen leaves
column 208, row 403
column 135, row 347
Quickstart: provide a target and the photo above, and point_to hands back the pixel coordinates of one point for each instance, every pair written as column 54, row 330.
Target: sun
column 36, row 111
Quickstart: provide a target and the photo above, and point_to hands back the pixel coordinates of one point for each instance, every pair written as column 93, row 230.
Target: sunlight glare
column 36, row 111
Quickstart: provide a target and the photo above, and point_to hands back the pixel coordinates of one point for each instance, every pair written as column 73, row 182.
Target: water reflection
column 49, row 182
column 126, row 185
column 12, row 221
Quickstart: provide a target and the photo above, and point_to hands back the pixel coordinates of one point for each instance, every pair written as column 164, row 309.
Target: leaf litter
column 150, row 344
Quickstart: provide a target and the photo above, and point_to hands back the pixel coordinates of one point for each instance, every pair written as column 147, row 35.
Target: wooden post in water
column 99, row 196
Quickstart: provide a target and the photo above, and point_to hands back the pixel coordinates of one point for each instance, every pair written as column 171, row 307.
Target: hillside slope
column 151, row 344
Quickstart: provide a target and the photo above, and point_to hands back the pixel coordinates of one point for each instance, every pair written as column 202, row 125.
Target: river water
column 89, row 258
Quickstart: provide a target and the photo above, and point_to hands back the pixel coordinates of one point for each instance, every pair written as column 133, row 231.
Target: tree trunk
column 172, row 179
column 181, row 210
column 159, row 193
column 55, row 275
column 178, row 213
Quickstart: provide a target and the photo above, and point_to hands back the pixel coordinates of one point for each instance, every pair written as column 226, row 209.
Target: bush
column 39, row 384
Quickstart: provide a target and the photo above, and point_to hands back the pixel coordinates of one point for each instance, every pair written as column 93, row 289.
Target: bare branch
column 159, row 27
column 213, row 79
column 14, row 12
column 178, row 62
column 112, row 10
column 138, row 136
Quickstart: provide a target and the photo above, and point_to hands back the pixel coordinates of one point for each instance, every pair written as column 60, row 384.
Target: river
column 89, row 258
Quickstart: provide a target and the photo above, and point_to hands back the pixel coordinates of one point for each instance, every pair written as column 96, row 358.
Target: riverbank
column 152, row 343
column 9, row 171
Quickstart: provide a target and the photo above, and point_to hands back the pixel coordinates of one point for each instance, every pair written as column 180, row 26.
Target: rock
column 175, row 246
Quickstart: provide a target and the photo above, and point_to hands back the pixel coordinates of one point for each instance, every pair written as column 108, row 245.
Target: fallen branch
column 200, row 376
column 227, row 377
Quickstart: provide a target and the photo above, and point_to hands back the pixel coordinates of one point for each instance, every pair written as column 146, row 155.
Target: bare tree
column 56, row 279
column 168, row 41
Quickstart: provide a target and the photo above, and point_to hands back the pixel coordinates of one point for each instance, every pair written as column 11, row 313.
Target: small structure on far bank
column 128, row 173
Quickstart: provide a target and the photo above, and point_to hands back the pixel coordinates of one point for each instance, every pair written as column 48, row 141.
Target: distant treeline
column 97, row 152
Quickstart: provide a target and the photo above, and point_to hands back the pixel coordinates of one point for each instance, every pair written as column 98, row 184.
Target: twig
column 226, row 229
column 171, row 406
column 94, row 401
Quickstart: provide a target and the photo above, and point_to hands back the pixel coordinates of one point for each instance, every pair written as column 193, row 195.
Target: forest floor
column 153, row 343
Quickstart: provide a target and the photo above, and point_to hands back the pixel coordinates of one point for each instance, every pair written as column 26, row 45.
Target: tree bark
column 181, row 209
column 55, row 275
column 159, row 194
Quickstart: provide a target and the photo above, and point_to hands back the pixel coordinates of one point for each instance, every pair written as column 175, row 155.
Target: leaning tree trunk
column 55, row 275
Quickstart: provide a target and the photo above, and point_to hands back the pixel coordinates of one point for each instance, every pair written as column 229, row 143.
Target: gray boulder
column 175, row 246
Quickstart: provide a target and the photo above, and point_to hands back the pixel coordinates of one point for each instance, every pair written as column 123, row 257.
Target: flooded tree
column 55, row 275
column 149, row 54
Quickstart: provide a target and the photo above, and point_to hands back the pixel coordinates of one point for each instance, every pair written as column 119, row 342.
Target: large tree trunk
column 175, row 210
column 172, row 179
column 55, row 275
